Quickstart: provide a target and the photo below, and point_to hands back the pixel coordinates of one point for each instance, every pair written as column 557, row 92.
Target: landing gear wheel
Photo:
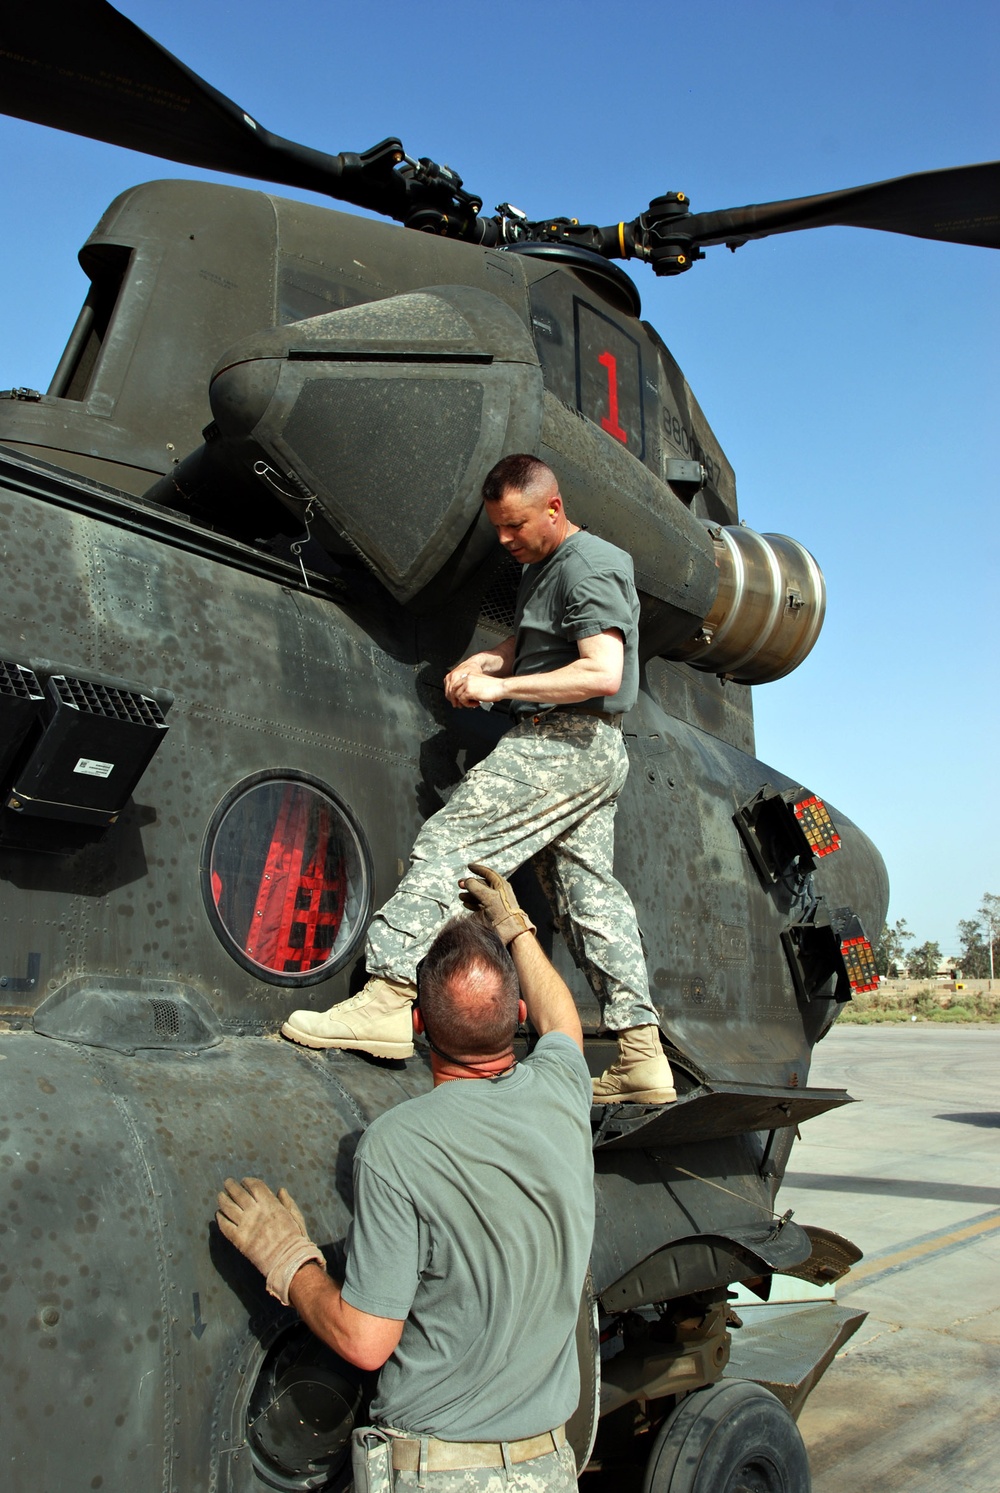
column 733, row 1437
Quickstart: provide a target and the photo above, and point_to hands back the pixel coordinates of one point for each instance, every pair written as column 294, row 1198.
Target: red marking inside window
column 609, row 422
column 300, row 901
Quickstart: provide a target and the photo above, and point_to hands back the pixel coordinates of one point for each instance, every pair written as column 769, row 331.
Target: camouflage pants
column 554, row 1473
column 546, row 793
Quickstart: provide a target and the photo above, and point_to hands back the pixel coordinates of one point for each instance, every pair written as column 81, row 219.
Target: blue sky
column 851, row 377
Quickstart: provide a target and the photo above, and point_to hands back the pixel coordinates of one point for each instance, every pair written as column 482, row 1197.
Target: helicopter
column 243, row 543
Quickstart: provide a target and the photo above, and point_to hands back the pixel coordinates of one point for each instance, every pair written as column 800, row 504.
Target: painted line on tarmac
column 918, row 1251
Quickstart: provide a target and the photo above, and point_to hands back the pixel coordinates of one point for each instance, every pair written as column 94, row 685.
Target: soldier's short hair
column 517, row 473
column 468, row 991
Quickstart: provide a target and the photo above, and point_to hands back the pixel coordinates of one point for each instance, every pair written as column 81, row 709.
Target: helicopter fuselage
column 146, row 962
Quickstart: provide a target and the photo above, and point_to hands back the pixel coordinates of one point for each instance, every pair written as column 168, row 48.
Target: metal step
column 709, row 1112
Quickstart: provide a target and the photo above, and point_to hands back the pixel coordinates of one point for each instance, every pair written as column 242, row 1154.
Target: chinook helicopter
column 243, row 542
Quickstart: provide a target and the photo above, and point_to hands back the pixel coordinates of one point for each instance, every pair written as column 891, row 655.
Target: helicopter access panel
column 624, row 381
column 609, row 376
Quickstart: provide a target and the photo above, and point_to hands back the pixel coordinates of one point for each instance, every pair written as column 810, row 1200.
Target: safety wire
column 782, row 1218
column 296, row 547
column 262, row 469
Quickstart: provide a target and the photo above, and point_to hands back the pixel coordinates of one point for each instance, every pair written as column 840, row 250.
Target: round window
column 287, row 878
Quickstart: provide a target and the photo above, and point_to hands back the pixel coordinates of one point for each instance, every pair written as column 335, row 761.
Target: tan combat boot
column 377, row 1020
column 641, row 1075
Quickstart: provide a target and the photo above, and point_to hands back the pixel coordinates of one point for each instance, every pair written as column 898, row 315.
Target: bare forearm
column 595, row 674
column 491, row 664
column 495, row 662
column 362, row 1339
column 317, row 1299
column 550, row 1005
column 581, row 680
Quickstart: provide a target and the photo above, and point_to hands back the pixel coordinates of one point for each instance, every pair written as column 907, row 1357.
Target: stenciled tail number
column 610, row 422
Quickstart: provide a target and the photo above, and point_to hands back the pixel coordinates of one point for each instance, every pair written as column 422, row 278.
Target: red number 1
column 609, row 422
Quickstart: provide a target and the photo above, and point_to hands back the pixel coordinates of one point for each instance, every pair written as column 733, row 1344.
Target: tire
column 734, row 1437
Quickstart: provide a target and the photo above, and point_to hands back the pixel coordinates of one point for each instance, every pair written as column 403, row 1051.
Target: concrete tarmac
column 912, row 1175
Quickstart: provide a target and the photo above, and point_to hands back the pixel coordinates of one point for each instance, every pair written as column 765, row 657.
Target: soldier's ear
column 418, row 1020
column 522, row 1013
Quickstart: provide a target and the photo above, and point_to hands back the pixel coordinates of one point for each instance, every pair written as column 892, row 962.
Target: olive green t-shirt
column 474, row 1218
column 585, row 587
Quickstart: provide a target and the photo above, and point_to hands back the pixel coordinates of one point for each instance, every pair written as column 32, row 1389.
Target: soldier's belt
column 609, row 717
column 442, row 1456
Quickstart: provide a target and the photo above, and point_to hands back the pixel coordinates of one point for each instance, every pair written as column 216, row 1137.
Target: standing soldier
column 546, row 793
column 473, row 1223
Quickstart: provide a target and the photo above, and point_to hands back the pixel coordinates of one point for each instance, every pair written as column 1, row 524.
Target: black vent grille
column 19, row 683
column 105, row 700
column 496, row 610
column 166, row 1018
column 129, row 1015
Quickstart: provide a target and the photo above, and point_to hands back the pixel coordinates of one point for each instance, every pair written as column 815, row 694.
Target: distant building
column 948, row 969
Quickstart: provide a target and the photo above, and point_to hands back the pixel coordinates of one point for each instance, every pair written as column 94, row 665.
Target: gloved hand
column 269, row 1230
column 492, row 894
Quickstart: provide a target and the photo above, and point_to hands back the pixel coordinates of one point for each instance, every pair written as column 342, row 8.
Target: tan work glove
column 269, row 1230
column 492, row 894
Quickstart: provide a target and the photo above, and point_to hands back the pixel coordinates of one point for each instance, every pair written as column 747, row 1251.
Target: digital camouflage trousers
column 554, row 1473
column 546, row 793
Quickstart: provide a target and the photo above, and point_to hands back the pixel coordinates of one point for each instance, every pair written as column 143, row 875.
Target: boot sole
column 639, row 1096
column 349, row 1044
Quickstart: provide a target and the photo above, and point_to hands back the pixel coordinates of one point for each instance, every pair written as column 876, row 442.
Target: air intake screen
column 496, row 610
column 114, row 704
column 21, row 700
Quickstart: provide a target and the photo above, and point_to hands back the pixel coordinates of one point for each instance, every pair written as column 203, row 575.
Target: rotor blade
column 86, row 68
column 960, row 205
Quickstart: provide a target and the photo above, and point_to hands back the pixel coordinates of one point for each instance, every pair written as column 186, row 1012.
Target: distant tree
column 924, row 961
column 975, row 934
column 974, row 954
column 989, row 917
column 890, row 951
